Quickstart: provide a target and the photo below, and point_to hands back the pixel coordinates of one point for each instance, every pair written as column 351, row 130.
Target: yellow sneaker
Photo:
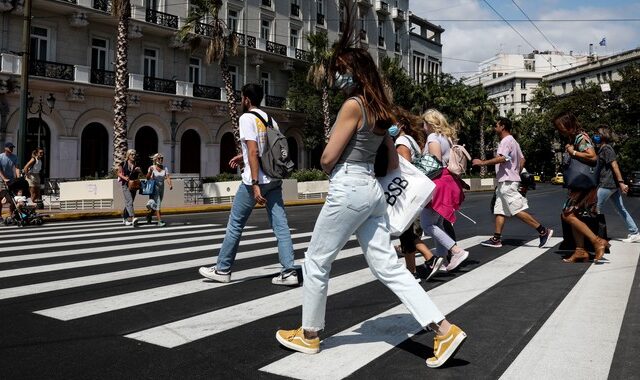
column 446, row 346
column 295, row 340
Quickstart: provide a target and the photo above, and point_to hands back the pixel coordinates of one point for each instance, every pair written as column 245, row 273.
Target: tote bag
column 148, row 187
column 407, row 191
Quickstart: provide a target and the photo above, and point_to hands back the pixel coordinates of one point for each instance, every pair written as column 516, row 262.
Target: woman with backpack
column 409, row 144
column 448, row 195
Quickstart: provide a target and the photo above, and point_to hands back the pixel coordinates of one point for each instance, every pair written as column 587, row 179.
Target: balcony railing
column 266, row 3
column 204, row 29
column 104, row 77
column 209, row 92
column 102, row 5
column 295, row 10
column 273, row 47
column 320, row 19
column 160, row 18
column 70, row 1
column 275, row 101
column 53, row 70
column 159, row 85
column 302, row 55
column 251, row 40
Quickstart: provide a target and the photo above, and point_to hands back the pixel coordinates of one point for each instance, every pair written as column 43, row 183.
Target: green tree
column 320, row 55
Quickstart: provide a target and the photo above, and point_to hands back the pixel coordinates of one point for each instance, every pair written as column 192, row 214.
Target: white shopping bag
column 407, row 191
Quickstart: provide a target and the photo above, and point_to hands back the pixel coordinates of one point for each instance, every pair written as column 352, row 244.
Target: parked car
column 634, row 183
column 537, row 177
column 558, row 179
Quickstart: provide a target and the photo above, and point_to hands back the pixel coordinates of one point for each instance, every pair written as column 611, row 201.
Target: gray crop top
column 363, row 144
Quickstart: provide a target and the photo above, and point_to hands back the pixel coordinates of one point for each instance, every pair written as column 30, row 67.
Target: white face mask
column 343, row 81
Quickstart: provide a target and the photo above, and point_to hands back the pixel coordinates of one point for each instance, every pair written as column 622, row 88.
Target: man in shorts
column 509, row 162
column 8, row 172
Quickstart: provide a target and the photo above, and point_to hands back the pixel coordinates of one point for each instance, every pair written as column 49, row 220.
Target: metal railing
column 204, row 29
column 275, row 101
column 274, row 47
column 208, row 92
column 102, row 5
column 251, row 41
column 302, row 55
column 159, row 85
column 53, row 70
column 161, row 18
column 104, row 77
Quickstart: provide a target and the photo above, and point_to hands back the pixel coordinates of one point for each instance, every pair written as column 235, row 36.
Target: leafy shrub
column 306, row 175
column 222, row 177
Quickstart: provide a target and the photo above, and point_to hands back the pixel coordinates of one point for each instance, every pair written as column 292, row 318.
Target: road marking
column 51, row 286
column 141, row 297
column 55, row 229
column 353, row 348
column 200, row 326
column 132, row 257
column 118, row 230
column 584, row 328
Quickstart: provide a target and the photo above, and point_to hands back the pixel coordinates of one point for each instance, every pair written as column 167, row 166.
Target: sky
column 467, row 43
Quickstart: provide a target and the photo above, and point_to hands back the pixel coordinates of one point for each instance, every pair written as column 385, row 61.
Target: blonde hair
column 155, row 157
column 130, row 152
column 439, row 123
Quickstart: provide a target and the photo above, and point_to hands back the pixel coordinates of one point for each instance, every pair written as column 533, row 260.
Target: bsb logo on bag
column 395, row 187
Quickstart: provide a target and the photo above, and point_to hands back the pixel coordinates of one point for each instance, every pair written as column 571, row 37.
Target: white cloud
column 478, row 41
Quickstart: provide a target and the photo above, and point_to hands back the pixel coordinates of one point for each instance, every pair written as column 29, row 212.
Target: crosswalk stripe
column 121, row 301
column 144, row 230
column 596, row 307
column 346, row 352
column 55, row 229
column 191, row 329
column 50, row 286
column 131, row 257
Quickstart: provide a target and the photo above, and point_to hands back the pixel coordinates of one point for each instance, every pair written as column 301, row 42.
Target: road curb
column 61, row 216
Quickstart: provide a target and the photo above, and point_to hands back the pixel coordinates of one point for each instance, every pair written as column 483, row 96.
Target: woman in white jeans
column 356, row 204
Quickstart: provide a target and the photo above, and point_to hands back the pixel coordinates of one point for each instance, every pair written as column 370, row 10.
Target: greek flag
column 603, row 42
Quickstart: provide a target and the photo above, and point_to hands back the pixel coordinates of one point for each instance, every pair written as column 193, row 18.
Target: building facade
column 510, row 79
column 177, row 103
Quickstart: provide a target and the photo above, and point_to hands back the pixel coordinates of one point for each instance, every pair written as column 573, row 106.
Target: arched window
column 146, row 144
column 190, row 152
column 227, row 152
column 94, row 151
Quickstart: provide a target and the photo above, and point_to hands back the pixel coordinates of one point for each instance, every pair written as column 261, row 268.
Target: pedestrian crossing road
column 97, row 300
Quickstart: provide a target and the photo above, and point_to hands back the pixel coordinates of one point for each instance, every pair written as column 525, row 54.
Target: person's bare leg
column 528, row 219
column 423, row 249
column 410, row 260
column 500, row 224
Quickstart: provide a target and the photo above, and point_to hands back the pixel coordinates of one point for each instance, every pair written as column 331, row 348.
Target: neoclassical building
column 177, row 103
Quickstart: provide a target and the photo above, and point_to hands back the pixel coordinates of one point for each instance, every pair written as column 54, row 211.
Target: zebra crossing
column 526, row 313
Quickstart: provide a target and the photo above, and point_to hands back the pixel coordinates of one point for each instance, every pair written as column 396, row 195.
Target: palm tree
column 320, row 55
column 204, row 29
column 122, row 10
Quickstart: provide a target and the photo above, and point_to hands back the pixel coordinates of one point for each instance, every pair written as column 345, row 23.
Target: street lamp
column 39, row 109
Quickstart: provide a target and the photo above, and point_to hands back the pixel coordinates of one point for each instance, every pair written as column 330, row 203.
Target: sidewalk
column 58, row 215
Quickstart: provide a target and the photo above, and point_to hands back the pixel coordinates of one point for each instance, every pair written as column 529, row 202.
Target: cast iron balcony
column 209, row 92
column 273, row 47
column 160, row 18
column 159, row 85
column 104, row 77
column 275, row 101
column 102, row 5
column 302, row 55
column 52, row 70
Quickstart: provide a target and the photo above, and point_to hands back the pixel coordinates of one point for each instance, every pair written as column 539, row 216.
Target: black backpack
column 275, row 160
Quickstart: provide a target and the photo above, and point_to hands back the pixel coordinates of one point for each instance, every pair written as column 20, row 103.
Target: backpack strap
column 267, row 123
column 415, row 147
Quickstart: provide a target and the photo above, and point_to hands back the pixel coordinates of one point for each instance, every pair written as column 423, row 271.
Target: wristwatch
column 255, row 182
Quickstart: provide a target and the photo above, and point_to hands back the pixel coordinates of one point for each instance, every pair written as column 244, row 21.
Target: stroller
column 21, row 214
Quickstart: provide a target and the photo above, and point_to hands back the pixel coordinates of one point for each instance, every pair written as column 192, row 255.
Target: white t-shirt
column 159, row 175
column 410, row 143
column 251, row 128
column 444, row 146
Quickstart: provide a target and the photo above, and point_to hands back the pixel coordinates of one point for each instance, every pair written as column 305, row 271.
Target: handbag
column 148, row 187
column 407, row 191
column 134, row 184
column 426, row 163
column 578, row 175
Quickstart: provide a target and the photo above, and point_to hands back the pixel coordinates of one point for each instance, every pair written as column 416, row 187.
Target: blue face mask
column 597, row 139
column 343, row 81
column 394, row 130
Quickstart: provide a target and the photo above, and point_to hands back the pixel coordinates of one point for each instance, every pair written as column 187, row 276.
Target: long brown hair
column 569, row 122
column 347, row 57
column 412, row 126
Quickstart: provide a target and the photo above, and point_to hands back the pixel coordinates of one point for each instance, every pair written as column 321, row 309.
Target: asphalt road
column 97, row 300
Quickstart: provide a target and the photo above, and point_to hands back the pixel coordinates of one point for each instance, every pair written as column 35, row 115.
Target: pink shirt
column 510, row 170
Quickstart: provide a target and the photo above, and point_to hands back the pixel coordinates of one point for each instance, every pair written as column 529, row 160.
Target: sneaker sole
column 457, row 343
column 285, row 283
column 295, row 347
column 208, row 276
column 548, row 238
column 437, row 265
column 491, row 245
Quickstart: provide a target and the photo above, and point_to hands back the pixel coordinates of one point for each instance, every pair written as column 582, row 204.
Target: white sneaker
column 124, row 221
column 457, row 259
column 289, row 278
column 128, row 223
column 213, row 274
column 632, row 238
column 437, row 264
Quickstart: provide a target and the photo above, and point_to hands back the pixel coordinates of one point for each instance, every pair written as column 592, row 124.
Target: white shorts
column 509, row 201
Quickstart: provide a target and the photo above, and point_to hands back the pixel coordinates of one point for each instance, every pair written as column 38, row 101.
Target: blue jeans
column 356, row 204
column 616, row 198
column 241, row 210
